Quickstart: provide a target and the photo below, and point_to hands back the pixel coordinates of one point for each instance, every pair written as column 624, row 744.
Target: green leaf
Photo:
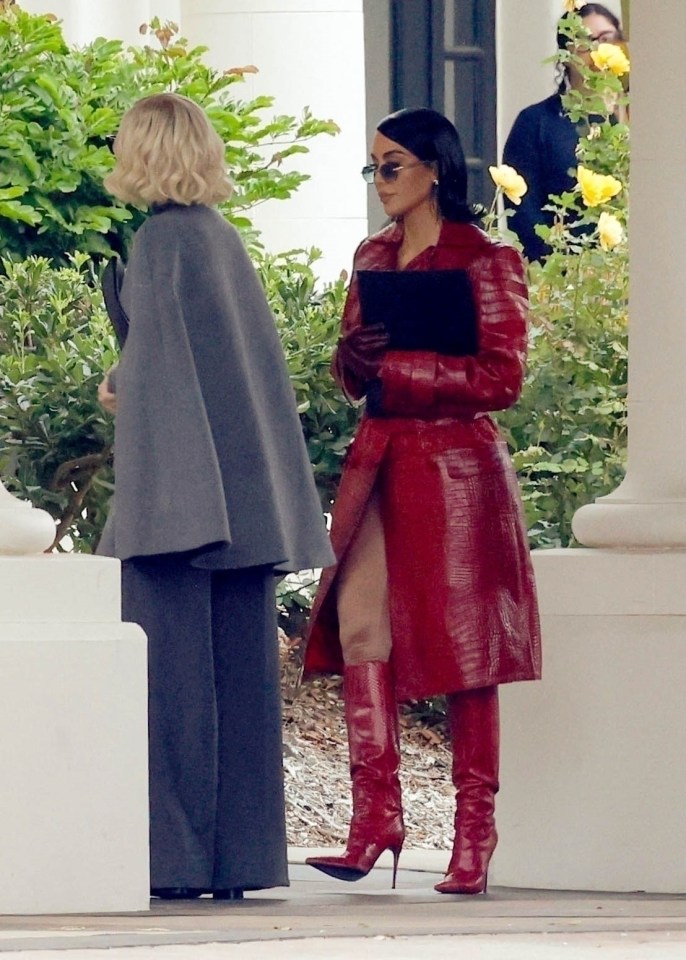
column 18, row 212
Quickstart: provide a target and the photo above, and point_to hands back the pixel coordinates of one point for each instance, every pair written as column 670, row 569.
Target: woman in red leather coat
column 433, row 592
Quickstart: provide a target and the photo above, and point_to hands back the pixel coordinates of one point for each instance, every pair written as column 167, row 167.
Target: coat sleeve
column 430, row 385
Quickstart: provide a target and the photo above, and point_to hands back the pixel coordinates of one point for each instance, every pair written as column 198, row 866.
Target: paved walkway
column 322, row 919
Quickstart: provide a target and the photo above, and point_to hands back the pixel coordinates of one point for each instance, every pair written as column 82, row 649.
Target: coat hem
column 403, row 696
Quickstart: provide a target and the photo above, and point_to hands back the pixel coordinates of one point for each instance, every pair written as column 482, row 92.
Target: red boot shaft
column 371, row 716
column 475, row 735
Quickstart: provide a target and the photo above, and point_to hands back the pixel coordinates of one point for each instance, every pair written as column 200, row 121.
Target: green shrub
column 55, row 346
column 308, row 322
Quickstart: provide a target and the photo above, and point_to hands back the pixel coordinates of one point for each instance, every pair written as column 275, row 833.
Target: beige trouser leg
column 362, row 596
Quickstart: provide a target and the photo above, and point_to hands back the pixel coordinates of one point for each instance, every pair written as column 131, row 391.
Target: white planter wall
column 73, row 751
column 593, row 774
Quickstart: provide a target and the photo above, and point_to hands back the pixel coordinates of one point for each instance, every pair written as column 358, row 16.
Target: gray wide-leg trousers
column 217, row 817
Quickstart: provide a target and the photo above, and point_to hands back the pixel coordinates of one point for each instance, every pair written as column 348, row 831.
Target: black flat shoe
column 176, row 893
column 232, row 893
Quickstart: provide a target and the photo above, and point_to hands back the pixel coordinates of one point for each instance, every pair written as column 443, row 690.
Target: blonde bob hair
column 167, row 150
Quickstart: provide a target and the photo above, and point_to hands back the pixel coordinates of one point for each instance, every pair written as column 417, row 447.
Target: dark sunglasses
column 387, row 171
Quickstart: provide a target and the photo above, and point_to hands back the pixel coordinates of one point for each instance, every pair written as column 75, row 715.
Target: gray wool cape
column 209, row 449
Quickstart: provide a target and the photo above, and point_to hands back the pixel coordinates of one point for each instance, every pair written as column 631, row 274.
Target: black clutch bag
column 112, row 278
column 421, row 309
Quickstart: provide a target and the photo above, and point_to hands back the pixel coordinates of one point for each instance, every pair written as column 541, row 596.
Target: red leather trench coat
column 461, row 588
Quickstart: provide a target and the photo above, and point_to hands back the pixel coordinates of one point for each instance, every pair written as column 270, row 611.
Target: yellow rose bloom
column 572, row 5
column 610, row 231
column 510, row 182
column 610, row 57
column 596, row 188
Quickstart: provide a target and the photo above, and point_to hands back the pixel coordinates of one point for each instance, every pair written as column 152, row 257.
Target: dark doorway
column 443, row 56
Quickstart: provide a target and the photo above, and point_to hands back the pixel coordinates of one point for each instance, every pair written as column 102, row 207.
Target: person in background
column 213, row 495
column 433, row 592
column 541, row 145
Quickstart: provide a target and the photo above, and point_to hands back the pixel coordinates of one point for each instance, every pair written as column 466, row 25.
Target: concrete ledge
column 54, row 588
column 583, row 582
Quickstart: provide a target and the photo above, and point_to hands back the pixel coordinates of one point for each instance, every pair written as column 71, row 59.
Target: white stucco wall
column 377, row 41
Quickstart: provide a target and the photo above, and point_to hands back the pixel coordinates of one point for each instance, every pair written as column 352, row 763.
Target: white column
column 308, row 52
column 649, row 507
column 377, row 55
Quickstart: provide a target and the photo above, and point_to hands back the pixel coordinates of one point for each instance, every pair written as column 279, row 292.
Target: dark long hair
column 585, row 11
column 432, row 137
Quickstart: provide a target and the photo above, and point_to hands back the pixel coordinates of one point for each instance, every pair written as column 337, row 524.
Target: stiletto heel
column 396, row 856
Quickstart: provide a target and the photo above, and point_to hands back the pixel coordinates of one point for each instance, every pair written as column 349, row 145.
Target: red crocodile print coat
column 462, row 595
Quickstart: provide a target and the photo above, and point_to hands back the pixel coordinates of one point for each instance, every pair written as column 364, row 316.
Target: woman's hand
column 106, row 397
column 361, row 351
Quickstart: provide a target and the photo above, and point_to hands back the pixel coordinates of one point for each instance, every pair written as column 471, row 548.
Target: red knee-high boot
column 371, row 715
column 475, row 734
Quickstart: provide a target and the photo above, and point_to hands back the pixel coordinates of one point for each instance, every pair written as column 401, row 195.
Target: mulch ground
column 316, row 768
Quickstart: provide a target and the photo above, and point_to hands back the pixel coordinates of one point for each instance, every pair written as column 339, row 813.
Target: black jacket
column 542, row 147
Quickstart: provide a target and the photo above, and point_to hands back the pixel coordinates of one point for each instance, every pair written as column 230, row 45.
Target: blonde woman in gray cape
column 213, row 496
